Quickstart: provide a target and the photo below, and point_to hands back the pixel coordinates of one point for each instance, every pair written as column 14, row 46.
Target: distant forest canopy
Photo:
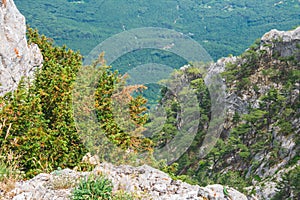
column 221, row 27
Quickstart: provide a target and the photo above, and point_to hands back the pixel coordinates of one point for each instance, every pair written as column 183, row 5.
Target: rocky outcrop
column 234, row 102
column 17, row 58
column 283, row 43
column 279, row 43
column 144, row 181
column 267, row 188
column 280, row 47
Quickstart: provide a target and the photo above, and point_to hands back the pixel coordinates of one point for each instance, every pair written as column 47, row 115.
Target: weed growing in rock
column 121, row 195
column 93, row 188
column 9, row 173
column 62, row 182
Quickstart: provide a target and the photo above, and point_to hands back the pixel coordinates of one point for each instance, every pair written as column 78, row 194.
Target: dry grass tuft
column 60, row 182
column 9, row 172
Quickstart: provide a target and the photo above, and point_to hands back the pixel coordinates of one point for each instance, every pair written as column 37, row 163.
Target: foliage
column 113, row 99
column 37, row 118
column 244, row 68
column 115, row 134
column 9, row 172
column 62, row 181
column 221, row 27
column 172, row 170
column 121, row 195
column 119, row 115
column 24, row 129
column 253, row 134
column 99, row 187
column 171, row 104
column 37, row 121
column 288, row 187
column 93, row 188
column 54, row 85
column 169, row 169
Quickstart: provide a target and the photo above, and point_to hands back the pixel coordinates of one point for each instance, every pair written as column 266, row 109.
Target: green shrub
column 92, row 188
column 288, row 187
column 24, row 129
column 112, row 100
column 120, row 117
column 54, row 85
column 121, row 195
column 37, row 118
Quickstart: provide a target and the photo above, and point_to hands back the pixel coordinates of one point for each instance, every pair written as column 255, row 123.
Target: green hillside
column 51, row 122
column 221, row 27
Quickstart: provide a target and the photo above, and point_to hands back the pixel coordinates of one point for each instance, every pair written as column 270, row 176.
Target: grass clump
column 62, row 182
column 9, row 172
column 92, row 188
column 98, row 188
column 121, row 195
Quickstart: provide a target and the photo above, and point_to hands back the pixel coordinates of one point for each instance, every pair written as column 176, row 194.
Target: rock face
column 17, row 58
column 277, row 45
column 282, row 42
column 144, row 181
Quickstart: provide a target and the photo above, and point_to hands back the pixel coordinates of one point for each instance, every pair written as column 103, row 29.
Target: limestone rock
column 285, row 43
column 216, row 192
column 17, row 58
column 89, row 159
column 276, row 44
column 144, row 181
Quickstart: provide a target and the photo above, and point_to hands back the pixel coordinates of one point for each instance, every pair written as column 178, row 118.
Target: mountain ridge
column 258, row 150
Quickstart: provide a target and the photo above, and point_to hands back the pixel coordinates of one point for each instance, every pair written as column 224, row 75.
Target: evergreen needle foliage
column 37, row 117
column 37, row 121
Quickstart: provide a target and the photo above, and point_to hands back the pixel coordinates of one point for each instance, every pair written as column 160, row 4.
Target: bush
column 93, row 188
column 121, row 116
column 37, row 119
column 54, row 85
column 288, row 187
column 115, row 134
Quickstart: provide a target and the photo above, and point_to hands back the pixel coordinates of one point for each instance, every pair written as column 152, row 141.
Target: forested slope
column 222, row 27
column 256, row 153
column 259, row 144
